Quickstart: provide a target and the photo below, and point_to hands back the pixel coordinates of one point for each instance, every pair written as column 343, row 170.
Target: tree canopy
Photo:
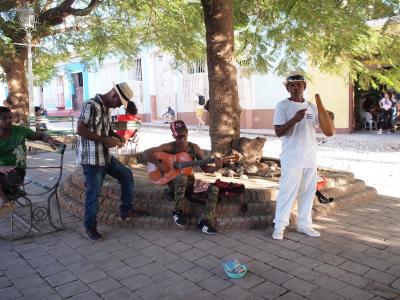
column 270, row 35
column 274, row 35
column 85, row 29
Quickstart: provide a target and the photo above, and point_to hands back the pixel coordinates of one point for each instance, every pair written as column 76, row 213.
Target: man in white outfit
column 295, row 120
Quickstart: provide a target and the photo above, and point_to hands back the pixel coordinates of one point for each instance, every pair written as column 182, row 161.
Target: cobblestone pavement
column 357, row 257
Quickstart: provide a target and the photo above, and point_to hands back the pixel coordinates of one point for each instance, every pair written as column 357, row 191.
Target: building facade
column 157, row 85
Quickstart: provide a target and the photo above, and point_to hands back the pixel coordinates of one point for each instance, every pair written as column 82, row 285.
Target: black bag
column 202, row 100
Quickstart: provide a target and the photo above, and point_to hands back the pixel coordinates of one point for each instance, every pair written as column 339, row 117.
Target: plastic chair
column 367, row 119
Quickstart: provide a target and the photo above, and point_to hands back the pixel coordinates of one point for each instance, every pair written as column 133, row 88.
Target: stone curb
column 342, row 186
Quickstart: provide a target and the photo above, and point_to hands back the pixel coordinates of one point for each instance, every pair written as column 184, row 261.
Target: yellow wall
column 334, row 92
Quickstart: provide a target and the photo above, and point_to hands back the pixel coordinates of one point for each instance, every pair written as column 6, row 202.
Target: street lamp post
column 28, row 22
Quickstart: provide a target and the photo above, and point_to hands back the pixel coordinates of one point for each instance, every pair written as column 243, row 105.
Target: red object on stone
column 127, row 134
column 321, row 183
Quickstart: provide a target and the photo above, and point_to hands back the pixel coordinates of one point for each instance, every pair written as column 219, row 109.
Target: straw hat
column 294, row 76
column 124, row 92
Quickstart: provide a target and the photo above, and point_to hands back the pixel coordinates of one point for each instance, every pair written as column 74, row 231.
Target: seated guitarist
column 183, row 184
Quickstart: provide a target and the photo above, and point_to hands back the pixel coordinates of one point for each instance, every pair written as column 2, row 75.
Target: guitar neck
column 187, row 164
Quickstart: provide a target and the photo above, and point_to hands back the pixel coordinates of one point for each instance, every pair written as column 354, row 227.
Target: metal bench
column 37, row 123
column 29, row 214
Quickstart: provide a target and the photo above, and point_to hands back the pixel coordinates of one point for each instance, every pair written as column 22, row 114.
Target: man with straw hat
column 96, row 137
column 295, row 120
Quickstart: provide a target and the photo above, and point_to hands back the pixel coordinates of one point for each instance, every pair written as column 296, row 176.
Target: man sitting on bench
column 13, row 155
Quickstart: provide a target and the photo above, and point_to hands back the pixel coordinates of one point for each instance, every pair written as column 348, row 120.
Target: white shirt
column 299, row 144
column 385, row 104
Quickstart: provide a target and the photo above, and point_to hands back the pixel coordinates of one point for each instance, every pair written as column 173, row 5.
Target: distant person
column 40, row 118
column 295, row 121
column 96, row 137
column 199, row 110
column 129, row 134
column 169, row 115
column 384, row 116
column 130, row 116
column 394, row 112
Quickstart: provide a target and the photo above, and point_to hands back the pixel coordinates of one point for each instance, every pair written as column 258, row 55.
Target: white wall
column 165, row 83
column 269, row 90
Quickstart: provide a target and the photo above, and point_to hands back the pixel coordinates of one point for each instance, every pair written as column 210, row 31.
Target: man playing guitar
column 183, row 184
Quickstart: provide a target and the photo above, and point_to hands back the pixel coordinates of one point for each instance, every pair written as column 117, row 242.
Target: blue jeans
column 94, row 177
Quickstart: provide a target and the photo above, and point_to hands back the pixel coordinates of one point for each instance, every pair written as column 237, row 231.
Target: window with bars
column 136, row 71
column 198, row 66
column 244, row 69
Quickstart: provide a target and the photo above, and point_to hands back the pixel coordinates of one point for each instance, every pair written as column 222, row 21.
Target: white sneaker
column 308, row 231
column 379, row 131
column 278, row 233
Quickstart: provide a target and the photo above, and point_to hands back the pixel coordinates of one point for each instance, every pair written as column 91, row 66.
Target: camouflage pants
column 183, row 185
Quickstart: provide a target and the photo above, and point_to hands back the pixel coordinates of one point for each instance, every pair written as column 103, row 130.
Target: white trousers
column 300, row 182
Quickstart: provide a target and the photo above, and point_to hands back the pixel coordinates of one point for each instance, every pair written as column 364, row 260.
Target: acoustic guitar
column 180, row 163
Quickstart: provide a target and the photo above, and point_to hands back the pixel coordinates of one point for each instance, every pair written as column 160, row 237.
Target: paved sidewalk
column 357, row 257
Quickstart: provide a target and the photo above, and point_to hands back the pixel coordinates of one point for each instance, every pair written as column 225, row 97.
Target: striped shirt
column 97, row 118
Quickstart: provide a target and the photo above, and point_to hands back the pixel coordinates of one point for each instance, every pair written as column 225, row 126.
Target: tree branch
column 6, row 5
column 61, row 30
column 47, row 5
column 85, row 11
column 56, row 15
column 7, row 28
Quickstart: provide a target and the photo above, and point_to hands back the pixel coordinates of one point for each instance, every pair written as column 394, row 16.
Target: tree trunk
column 14, row 68
column 222, row 75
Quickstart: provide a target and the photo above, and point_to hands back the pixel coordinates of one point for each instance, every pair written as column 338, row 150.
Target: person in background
column 394, row 111
column 384, row 116
column 41, row 118
column 129, row 134
column 199, row 110
column 169, row 115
